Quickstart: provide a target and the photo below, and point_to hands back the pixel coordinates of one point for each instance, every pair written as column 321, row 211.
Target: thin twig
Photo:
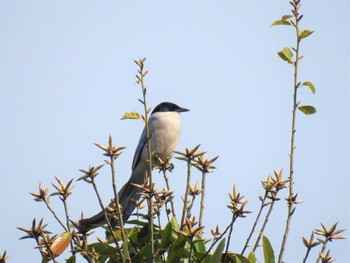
column 291, row 205
column 168, row 188
column 306, row 254
column 184, row 209
column 255, row 224
column 261, row 232
column 160, row 226
column 68, row 221
column 110, row 228
column 38, row 243
column 189, row 207
column 191, row 249
column 201, row 211
column 219, row 238
column 116, row 196
column 229, row 235
column 51, row 254
column 120, row 215
column 149, row 152
column 324, row 246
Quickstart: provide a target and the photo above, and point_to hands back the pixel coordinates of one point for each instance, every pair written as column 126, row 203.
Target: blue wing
column 139, row 149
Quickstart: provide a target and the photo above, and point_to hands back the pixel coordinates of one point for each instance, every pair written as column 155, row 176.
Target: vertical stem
column 84, row 247
column 107, row 219
column 219, row 238
column 160, row 226
column 306, row 255
column 264, row 225
column 38, row 243
column 51, row 254
column 184, row 209
column 66, row 212
column 67, row 219
column 191, row 249
column 168, row 188
column 291, row 206
column 229, row 235
column 234, row 217
column 189, row 208
column 322, row 251
column 120, row 215
column 167, row 214
column 202, row 199
column 255, row 223
column 149, row 172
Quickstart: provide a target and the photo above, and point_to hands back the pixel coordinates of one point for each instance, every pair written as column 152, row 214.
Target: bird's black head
column 168, row 106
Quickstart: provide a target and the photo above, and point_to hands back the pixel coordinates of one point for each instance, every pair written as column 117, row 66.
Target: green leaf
column 307, row 109
column 208, row 259
column 143, row 235
column 143, row 255
column 133, row 234
column 199, row 246
column 174, row 223
column 310, row 85
column 234, row 258
column 117, row 234
column 240, row 258
column 131, row 116
column 237, row 260
column 269, row 255
column 104, row 251
column 71, row 259
column 218, row 251
column 285, row 17
column 286, row 54
column 166, row 235
column 176, row 250
column 137, row 222
column 280, row 22
column 252, row 257
column 305, row 34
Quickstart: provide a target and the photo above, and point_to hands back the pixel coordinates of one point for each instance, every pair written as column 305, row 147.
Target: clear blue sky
column 67, row 76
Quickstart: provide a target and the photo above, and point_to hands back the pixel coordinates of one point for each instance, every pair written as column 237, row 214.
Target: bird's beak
column 182, row 110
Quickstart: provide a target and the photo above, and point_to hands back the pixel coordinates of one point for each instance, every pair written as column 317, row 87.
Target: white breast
column 165, row 132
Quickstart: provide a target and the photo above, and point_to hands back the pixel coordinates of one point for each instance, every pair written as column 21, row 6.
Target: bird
column 164, row 128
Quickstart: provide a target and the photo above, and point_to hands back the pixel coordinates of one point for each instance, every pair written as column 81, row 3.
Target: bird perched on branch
column 164, row 129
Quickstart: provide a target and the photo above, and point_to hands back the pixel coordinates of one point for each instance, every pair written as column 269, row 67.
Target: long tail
column 128, row 194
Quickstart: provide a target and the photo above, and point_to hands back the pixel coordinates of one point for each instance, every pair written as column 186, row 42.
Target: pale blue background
column 67, row 76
